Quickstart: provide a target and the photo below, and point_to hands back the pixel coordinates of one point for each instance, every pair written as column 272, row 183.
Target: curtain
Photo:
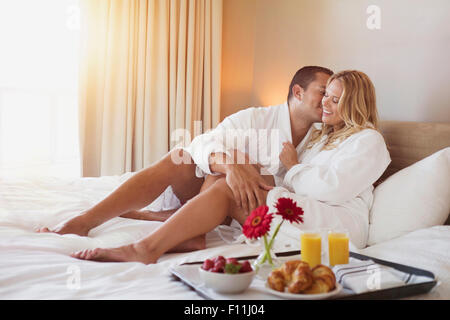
column 148, row 68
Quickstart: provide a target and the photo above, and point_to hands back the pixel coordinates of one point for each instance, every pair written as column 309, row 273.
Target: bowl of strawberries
column 226, row 275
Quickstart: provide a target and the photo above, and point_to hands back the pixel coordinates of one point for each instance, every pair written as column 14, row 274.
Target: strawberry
column 232, row 261
column 246, row 267
column 207, row 264
column 219, row 258
column 219, row 266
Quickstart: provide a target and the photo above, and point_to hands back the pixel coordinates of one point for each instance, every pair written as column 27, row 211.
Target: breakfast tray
column 425, row 281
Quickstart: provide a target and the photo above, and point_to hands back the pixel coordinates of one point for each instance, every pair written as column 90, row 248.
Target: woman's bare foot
column 128, row 253
column 77, row 225
column 136, row 252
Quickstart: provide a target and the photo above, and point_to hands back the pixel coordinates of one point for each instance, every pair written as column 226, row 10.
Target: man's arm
column 209, row 152
column 214, row 141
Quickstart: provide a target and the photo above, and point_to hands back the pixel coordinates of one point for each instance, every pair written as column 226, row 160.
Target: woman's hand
column 288, row 155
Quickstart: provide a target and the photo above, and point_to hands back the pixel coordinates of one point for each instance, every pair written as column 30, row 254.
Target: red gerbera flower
column 257, row 223
column 288, row 209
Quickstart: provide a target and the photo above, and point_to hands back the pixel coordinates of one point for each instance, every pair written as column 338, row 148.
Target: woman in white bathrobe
column 332, row 179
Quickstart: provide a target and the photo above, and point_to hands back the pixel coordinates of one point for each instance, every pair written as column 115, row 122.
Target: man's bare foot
column 128, row 253
column 76, row 225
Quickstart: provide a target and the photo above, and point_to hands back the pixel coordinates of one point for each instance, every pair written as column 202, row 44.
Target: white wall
column 408, row 58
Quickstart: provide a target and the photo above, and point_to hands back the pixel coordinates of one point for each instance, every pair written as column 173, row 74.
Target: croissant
column 323, row 272
column 302, row 279
column 318, row 286
column 289, row 267
column 276, row 280
column 297, row 277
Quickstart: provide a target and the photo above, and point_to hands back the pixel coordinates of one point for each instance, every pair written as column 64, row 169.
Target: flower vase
column 265, row 263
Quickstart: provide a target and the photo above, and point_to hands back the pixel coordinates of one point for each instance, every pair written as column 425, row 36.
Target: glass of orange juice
column 311, row 247
column 338, row 247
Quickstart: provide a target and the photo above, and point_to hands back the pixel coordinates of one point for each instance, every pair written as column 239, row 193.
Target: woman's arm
column 354, row 167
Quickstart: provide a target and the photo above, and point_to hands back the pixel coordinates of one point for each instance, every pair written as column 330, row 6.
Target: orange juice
column 311, row 247
column 338, row 248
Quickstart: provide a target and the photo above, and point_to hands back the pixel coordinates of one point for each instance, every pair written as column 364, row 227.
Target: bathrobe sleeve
column 355, row 166
column 214, row 141
column 318, row 215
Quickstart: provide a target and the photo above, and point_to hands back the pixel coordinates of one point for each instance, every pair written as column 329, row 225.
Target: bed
column 38, row 266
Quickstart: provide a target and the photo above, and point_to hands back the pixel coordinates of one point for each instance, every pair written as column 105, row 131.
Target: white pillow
column 413, row 198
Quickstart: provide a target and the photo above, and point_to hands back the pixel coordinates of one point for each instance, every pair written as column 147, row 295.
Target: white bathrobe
column 334, row 187
column 259, row 132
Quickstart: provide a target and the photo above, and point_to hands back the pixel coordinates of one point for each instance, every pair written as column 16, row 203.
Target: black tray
column 391, row 293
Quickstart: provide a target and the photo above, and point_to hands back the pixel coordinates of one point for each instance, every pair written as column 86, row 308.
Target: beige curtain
column 148, row 67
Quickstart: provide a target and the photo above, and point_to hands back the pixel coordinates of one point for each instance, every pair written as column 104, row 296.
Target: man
column 182, row 180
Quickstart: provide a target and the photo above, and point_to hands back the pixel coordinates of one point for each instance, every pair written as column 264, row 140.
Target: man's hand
column 247, row 185
column 288, row 155
column 244, row 179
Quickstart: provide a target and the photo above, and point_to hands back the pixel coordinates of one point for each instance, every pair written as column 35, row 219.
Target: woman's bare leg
column 139, row 191
column 196, row 243
column 198, row 216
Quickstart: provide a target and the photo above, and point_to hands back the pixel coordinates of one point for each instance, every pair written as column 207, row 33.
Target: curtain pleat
column 149, row 67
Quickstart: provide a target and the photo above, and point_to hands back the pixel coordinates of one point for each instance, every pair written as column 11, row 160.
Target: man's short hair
column 304, row 76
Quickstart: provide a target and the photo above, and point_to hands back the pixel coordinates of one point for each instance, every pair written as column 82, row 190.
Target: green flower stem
column 267, row 255
column 269, row 246
column 275, row 234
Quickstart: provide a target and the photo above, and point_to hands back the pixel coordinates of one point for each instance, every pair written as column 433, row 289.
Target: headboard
column 409, row 142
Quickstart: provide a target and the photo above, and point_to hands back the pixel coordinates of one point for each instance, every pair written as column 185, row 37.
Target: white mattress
column 38, row 266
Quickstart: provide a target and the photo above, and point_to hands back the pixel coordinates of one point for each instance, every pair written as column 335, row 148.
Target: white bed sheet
column 427, row 249
column 38, row 266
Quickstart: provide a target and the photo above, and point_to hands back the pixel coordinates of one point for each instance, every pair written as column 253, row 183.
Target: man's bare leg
column 196, row 243
column 149, row 215
column 198, row 216
column 163, row 215
column 139, row 191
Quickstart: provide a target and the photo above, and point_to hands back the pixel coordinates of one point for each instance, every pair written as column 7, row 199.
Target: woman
column 333, row 180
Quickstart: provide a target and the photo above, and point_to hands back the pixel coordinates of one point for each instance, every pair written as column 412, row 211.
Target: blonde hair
column 357, row 108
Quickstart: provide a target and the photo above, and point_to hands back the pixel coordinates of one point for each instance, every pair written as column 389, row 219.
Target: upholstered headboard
column 409, row 142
